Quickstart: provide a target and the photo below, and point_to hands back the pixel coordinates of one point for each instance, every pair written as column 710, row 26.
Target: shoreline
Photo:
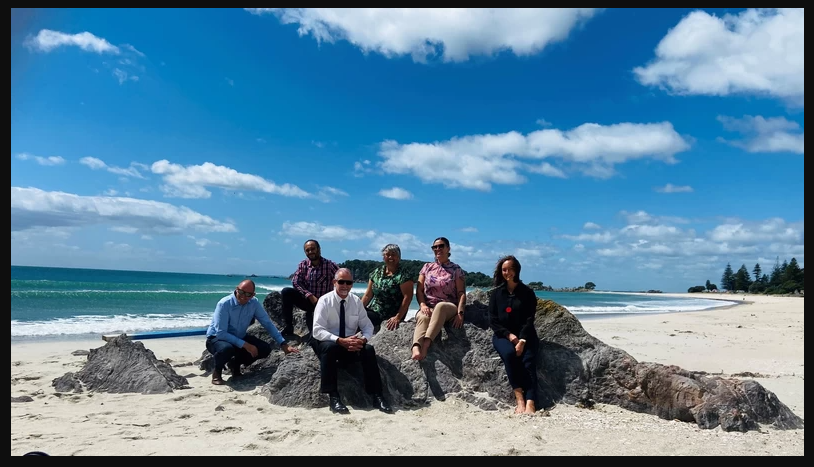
column 764, row 338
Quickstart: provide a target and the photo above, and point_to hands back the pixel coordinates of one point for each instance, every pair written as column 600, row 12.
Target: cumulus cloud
column 454, row 34
column 47, row 40
column 479, row 161
column 191, row 181
column 758, row 51
column 125, row 65
column 765, row 134
column 33, row 208
column 50, row 160
column 97, row 164
column 396, row 193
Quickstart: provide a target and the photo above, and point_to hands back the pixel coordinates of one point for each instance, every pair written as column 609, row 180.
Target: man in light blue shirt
column 226, row 338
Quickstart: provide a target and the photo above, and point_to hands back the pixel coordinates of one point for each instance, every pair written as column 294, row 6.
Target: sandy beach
column 763, row 337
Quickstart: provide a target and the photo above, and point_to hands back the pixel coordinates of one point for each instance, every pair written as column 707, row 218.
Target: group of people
column 341, row 324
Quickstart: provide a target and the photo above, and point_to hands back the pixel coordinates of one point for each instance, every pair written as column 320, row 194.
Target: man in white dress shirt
column 338, row 316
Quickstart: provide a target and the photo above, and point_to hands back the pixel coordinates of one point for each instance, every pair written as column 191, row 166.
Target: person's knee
column 263, row 350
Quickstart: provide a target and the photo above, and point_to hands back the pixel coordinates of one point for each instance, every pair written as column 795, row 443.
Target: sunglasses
column 243, row 293
column 438, row 247
column 344, row 282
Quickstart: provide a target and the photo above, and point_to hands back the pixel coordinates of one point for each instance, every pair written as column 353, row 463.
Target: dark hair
column 446, row 242
column 309, row 241
column 499, row 280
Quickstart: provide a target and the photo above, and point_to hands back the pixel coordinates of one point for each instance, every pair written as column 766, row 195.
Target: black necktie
column 342, row 318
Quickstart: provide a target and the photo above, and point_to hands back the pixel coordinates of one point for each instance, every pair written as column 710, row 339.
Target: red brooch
column 508, row 309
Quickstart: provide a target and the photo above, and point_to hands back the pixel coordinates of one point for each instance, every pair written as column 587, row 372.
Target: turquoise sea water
column 81, row 303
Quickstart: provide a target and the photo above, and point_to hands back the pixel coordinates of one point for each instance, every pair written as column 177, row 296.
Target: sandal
column 218, row 381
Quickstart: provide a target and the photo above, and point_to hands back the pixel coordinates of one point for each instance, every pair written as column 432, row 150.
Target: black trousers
column 331, row 354
column 224, row 351
column 293, row 298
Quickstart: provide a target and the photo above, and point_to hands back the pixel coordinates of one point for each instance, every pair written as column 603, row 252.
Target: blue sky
column 633, row 148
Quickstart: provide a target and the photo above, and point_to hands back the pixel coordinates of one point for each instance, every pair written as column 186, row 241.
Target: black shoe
column 337, row 406
column 382, row 404
column 234, row 368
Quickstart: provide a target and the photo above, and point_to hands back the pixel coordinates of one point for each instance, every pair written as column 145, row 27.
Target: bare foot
column 530, row 408
column 521, row 401
column 425, row 347
column 416, row 352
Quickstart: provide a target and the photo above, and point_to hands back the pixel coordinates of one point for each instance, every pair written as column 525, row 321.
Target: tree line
column 785, row 278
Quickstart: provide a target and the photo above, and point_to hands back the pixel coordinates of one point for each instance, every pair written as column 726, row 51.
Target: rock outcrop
column 573, row 368
column 122, row 366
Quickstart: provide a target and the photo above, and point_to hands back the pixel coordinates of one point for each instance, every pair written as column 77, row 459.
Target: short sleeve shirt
column 439, row 282
column 387, row 296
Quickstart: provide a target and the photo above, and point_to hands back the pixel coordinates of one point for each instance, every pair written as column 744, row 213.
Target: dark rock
column 573, row 368
column 122, row 366
column 80, row 353
column 21, row 399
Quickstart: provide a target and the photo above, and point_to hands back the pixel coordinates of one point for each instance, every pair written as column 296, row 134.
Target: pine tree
column 728, row 278
column 757, row 272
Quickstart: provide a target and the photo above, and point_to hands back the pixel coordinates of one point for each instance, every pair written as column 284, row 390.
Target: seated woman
column 441, row 293
column 389, row 290
column 512, row 307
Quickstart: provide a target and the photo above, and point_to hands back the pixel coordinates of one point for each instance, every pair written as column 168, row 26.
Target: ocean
column 62, row 303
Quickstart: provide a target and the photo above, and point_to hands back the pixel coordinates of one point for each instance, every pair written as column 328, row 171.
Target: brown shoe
column 217, row 379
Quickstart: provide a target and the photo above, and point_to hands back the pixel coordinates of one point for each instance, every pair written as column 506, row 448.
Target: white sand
column 764, row 337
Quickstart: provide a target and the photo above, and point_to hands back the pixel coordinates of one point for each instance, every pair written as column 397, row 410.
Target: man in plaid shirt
column 313, row 279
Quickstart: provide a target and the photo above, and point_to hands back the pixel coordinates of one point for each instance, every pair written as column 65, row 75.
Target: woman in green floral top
column 389, row 290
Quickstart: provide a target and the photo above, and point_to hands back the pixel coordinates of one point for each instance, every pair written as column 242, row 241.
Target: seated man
column 312, row 280
column 337, row 317
column 226, row 338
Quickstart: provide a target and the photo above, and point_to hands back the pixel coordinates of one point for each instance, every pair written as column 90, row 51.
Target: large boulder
column 122, row 366
column 573, row 368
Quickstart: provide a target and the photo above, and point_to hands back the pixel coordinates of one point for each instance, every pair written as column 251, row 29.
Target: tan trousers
column 430, row 326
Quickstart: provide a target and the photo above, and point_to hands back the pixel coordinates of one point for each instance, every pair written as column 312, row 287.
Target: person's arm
column 494, row 322
column 420, row 294
column 368, row 296
column 263, row 318
column 529, row 312
column 407, row 291
column 365, row 324
column 220, row 320
column 320, row 330
column 460, row 287
column 300, row 281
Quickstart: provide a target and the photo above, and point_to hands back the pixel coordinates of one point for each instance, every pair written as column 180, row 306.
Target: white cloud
column 396, row 193
column 329, row 194
column 33, row 208
column 50, row 160
column 591, row 226
column 759, row 51
column 456, row 34
column 765, row 134
column 98, row 164
column 478, row 161
column 470, row 229
column 327, row 232
column 191, row 181
column 47, row 40
column 360, row 168
column 655, row 241
column 670, row 188
column 124, row 68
